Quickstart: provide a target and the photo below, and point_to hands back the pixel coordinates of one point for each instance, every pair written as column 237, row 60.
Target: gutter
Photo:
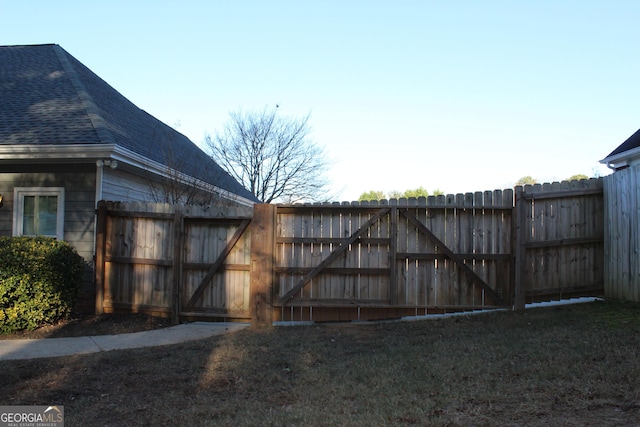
column 621, row 160
column 83, row 153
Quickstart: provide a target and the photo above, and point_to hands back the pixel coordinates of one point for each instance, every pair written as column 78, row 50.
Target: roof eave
column 54, row 153
column 129, row 157
column 86, row 153
column 619, row 160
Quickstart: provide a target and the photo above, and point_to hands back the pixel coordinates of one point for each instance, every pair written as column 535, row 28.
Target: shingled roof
column 49, row 98
column 632, row 142
column 628, row 151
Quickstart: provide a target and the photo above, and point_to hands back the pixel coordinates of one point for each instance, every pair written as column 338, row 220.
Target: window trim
column 18, row 207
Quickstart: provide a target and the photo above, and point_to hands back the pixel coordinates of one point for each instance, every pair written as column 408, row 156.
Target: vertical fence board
column 350, row 256
column 520, row 266
column 424, row 267
column 430, row 264
column 479, row 240
column 262, row 265
column 402, row 246
column 465, row 217
column 410, row 265
column 337, row 226
column 326, row 231
column 505, row 281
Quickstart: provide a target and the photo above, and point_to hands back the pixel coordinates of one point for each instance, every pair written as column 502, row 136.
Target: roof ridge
column 99, row 124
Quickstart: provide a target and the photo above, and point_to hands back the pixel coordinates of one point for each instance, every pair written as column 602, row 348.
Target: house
column 622, row 221
column 69, row 140
column 626, row 154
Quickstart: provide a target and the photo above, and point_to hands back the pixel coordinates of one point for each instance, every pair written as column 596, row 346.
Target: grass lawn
column 571, row 365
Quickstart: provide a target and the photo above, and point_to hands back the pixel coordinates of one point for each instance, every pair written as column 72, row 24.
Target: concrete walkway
column 55, row 347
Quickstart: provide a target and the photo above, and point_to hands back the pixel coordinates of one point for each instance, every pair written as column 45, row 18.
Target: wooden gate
column 436, row 254
column 186, row 262
column 215, row 267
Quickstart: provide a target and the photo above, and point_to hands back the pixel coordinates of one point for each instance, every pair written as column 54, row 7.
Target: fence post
column 178, row 228
column 520, row 268
column 393, row 254
column 262, row 265
column 101, row 230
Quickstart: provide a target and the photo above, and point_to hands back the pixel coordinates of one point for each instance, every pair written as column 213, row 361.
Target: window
column 38, row 211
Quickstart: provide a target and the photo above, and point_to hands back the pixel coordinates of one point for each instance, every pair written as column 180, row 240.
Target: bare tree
column 272, row 156
column 179, row 188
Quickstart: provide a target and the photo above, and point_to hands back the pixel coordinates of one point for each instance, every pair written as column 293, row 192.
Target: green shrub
column 40, row 278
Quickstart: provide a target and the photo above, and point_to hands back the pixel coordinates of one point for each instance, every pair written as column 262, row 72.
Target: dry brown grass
column 570, row 365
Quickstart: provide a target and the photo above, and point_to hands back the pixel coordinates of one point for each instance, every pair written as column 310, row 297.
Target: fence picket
column 466, row 232
column 479, row 243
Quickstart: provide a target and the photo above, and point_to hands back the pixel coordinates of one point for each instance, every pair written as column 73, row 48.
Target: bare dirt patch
column 91, row 325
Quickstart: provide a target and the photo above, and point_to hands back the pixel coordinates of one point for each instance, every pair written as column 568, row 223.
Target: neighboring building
column 69, row 140
column 625, row 155
column 622, row 221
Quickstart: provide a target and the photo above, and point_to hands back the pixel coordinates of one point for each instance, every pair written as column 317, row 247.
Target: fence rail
column 347, row 261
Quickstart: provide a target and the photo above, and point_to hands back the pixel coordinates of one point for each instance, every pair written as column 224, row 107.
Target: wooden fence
column 406, row 258
column 353, row 261
column 181, row 262
column 622, row 205
column 560, row 240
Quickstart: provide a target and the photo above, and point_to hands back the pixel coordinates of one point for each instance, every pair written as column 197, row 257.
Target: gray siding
column 119, row 185
column 79, row 204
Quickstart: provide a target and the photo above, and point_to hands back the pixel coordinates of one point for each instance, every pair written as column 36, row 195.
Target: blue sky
column 459, row 95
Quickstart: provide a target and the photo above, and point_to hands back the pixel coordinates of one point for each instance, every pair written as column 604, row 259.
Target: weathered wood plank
column 478, row 232
column 337, row 252
column 520, row 272
column 411, row 266
column 325, row 249
column 392, row 291
column 454, row 258
column 229, row 246
column 101, row 244
column 262, row 265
